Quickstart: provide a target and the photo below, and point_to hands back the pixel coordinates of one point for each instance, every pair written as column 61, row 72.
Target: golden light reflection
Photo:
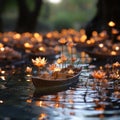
column 28, row 80
column 57, row 105
column 39, row 103
column 42, row 116
column 29, row 101
column 71, row 101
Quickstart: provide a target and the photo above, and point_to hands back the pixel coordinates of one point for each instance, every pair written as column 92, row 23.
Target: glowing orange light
column 111, row 24
column 113, row 53
column 28, row 45
column 42, row 49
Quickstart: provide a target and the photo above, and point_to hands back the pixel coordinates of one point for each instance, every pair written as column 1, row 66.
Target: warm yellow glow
column 115, row 31
column 62, row 41
column 117, row 48
column 70, row 71
column 57, row 69
column 116, row 64
column 42, row 116
column 113, row 53
column 111, row 24
column 1, row 45
column 28, row 45
column 39, row 62
column 2, row 77
column 54, row 68
column 101, row 45
column 39, row 103
column 63, row 58
column 2, row 72
column 28, row 69
column 71, row 44
column 54, row 1
column 29, row 101
column 98, row 74
column 88, row 42
column 94, row 33
column 1, row 101
column 5, row 39
column 2, row 49
column 42, row 49
column 17, row 36
column 57, row 49
column 59, row 61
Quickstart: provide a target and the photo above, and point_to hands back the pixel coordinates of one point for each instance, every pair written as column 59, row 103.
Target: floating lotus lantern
column 56, row 76
column 99, row 74
column 39, row 63
column 109, row 71
column 42, row 49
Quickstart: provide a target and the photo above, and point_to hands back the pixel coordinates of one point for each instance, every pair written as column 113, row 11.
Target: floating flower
column 59, row 61
column 73, row 59
column 63, row 58
column 28, row 45
column 99, row 74
column 116, row 64
column 28, row 69
column 71, row 44
column 62, row 41
column 42, row 49
column 54, row 68
column 39, row 62
column 70, row 71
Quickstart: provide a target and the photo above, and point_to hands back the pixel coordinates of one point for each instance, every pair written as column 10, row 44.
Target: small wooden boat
column 62, row 74
column 45, row 84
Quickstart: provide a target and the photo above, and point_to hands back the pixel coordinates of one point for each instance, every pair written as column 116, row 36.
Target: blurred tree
column 107, row 10
column 27, row 19
column 2, row 6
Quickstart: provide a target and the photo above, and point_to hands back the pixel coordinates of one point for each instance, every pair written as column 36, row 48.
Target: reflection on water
column 88, row 100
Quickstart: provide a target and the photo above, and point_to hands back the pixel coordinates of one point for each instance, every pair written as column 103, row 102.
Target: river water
column 84, row 101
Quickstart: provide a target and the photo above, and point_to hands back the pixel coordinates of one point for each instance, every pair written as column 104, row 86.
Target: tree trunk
column 27, row 20
column 107, row 10
column 2, row 5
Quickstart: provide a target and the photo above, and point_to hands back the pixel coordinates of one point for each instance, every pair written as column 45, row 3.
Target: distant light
column 54, row 1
